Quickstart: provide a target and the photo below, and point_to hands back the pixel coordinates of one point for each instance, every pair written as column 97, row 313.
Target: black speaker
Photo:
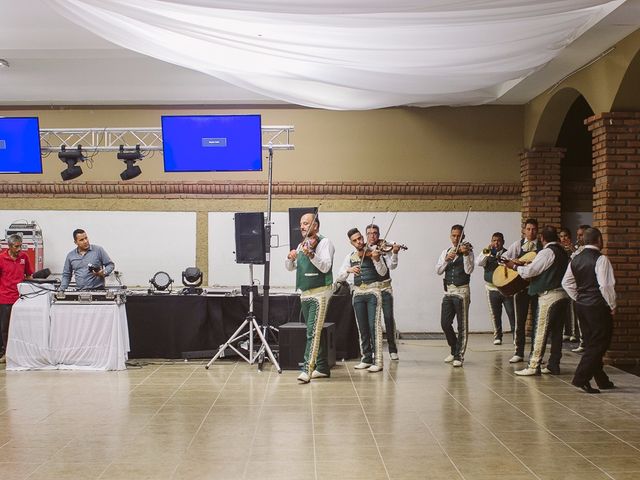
column 295, row 237
column 250, row 238
column 292, row 340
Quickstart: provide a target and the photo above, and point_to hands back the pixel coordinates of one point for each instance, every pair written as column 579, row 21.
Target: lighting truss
column 276, row 137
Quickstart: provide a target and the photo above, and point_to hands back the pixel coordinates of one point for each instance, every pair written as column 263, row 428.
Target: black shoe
column 607, row 386
column 586, row 387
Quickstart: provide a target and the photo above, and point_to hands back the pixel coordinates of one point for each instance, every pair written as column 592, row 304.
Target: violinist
column 312, row 261
column 370, row 276
column 391, row 261
column 488, row 259
column 456, row 264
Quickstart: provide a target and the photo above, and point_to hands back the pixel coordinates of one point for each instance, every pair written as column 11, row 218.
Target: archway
column 576, row 197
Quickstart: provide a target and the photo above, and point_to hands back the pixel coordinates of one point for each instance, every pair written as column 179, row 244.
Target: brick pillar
column 540, row 176
column 616, row 212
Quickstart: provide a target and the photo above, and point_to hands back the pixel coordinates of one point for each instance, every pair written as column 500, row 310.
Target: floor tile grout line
column 544, row 427
column 375, row 441
column 443, row 449
column 175, row 469
column 313, row 438
column 579, row 414
column 603, row 400
column 255, row 431
column 504, row 445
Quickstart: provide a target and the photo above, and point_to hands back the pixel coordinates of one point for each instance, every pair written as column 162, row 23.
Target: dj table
column 65, row 335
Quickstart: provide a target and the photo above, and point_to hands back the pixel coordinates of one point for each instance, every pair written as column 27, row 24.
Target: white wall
column 140, row 243
column 417, row 288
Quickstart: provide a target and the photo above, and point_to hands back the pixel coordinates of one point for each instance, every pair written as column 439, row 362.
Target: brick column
column 540, row 176
column 616, row 212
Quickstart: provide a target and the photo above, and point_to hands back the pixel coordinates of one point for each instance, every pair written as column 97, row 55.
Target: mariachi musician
column 522, row 300
column 313, row 261
column 374, row 242
column 546, row 272
column 456, row 264
column 370, row 277
column 488, row 259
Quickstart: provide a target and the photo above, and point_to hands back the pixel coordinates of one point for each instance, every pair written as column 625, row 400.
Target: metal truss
column 277, row 137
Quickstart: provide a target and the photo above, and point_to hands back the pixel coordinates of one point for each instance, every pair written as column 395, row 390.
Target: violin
column 386, row 247
column 462, row 244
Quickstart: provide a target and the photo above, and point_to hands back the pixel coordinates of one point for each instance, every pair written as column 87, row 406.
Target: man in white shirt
column 522, row 300
column 456, row 264
column 370, row 276
column 391, row 261
column 546, row 272
column 590, row 282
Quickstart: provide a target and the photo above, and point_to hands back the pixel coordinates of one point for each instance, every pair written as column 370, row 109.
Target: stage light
column 130, row 157
column 71, row 158
column 191, row 279
column 161, row 281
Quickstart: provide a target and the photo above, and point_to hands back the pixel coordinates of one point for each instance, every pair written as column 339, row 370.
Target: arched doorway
column 576, row 197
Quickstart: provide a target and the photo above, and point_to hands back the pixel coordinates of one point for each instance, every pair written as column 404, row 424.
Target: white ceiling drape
column 349, row 54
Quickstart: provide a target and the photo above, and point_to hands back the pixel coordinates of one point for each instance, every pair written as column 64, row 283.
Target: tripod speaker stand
column 250, row 324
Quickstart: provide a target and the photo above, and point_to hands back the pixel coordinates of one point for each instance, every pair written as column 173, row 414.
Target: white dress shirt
column 343, row 274
column 322, row 260
column 468, row 261
column 544, row 259
column 604, row 274
column 514, row 249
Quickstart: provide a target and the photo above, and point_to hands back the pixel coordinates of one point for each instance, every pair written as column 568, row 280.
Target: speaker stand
column 251, row 324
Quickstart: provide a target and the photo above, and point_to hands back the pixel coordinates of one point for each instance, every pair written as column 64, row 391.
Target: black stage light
column 191, row 279
column 71, row 158
column 161, row 281
column 130, row 157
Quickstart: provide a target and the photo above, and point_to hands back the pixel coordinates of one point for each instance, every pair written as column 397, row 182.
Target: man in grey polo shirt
column 89, row 263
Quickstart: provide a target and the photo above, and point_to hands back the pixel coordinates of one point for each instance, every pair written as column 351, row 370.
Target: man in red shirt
column 14, row 268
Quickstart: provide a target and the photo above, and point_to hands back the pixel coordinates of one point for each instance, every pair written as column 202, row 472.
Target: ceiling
column 55, row 62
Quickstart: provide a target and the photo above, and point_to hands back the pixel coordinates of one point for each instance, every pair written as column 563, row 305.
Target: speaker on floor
column 295, row 237
column 250, row 238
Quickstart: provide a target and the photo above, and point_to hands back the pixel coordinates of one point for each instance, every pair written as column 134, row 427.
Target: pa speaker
column 250, row 238
column 295, row 237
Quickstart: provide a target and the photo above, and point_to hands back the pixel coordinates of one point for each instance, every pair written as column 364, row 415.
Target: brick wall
column 616, row 212
column 541, row 184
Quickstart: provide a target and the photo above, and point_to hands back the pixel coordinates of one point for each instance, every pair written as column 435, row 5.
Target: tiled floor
column 419, row 418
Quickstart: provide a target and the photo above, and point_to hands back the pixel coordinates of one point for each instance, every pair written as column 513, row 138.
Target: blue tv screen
column 212, row 143
column 20, row 145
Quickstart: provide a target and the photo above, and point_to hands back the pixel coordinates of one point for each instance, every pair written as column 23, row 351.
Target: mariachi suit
column 523, row 300
column 368, row 303
column 553, row 303
column 496, row 299
column 316, row 287
column 456, row 300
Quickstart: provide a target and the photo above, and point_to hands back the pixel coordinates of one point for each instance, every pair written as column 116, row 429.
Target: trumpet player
column 488, row 260
column 456, row 264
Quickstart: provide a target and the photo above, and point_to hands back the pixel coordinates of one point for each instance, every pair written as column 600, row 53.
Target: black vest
column 583, row 267
column 492, row 264
column 454, row 273
column 368, row 272
column 551, row 278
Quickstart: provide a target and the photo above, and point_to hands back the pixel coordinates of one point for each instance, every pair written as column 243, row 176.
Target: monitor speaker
column 295, row 237
column 250, row 238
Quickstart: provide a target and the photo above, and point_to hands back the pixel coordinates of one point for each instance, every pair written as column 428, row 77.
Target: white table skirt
column 67, row 336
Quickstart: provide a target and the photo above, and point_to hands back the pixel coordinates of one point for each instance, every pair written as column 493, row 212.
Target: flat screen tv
column 20, row 145
column 212, row 143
